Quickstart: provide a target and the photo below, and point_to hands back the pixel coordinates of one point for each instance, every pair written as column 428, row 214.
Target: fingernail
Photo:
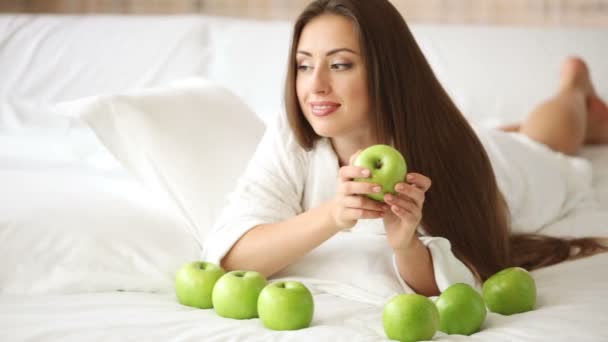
column 365, row 172
column 410, row 177
column 376, row 189
column 399, row 187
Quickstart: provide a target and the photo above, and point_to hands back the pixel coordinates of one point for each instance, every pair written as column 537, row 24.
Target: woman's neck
column 346, row 147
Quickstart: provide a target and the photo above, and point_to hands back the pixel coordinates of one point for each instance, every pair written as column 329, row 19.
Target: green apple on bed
column 286, row 305
column 235, row 294
column 510, row 291
column 461, row 309
column 387, row 167
column 410, row 317
column 194, row 283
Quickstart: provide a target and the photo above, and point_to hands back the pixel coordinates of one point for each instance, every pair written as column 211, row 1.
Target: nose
column 320, row 81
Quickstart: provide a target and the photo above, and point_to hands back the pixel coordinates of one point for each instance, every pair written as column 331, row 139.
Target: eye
column 303, row 67
column 341, row 66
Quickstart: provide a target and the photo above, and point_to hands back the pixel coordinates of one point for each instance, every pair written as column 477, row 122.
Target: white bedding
column 62, row 168
column 571, row 307
column 571, row 301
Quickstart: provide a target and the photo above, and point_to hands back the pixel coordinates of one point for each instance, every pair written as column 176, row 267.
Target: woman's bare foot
column 575, row 75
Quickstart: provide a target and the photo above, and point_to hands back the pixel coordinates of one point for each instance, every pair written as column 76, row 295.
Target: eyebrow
column 330, row 52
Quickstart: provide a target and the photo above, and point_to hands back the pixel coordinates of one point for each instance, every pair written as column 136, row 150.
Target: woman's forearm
column 415, row 266
column 268, row 248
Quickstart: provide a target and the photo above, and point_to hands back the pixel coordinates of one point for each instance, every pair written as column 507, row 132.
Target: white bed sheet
column 571, row 307
column 571, row 303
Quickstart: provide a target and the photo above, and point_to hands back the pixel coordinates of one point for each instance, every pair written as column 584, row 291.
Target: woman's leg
column 573, row 117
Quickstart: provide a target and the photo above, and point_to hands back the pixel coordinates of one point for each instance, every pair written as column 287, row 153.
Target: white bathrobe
column 283, row 180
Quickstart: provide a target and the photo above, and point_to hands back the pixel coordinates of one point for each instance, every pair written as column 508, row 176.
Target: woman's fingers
column 407, row 210
column 356, row 207
column 421, row 181
column 358, row 188
column 356, row 214
column 411, row 192
column 361, row 202
column 349, row 172
column 403, row 206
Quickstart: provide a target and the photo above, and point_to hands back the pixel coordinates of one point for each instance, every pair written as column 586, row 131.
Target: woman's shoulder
column 283, row 136
column 280, row 141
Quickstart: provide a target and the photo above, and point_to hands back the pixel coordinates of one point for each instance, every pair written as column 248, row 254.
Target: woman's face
column 331, row 79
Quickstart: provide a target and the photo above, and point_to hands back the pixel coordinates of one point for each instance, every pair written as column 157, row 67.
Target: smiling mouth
column 324, row 110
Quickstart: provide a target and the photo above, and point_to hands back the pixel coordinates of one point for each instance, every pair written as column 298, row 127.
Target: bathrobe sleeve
column 448, row 269
column 269, row 190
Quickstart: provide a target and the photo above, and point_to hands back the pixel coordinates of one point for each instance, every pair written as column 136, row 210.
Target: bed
column 90, row 240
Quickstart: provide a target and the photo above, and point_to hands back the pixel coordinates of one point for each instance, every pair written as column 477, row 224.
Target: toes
column 597, row 128
column 598, row 110
column 574, row 73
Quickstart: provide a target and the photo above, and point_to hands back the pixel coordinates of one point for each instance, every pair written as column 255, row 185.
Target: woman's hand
column 350, row 203
column 405, row 212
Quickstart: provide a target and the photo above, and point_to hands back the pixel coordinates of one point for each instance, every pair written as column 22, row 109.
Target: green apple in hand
column 235, row 294
column 194, row 283
column 387, row 167
column 461, row 310
column 285, row 305
column 510, row 291
column 410, row 317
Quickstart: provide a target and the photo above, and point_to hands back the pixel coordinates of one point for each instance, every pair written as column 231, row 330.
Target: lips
column 323, row 108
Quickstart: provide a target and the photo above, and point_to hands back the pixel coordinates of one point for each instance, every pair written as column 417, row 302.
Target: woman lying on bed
column 356, row 78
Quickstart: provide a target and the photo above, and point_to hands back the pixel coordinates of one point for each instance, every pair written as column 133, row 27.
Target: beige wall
column 502, row 12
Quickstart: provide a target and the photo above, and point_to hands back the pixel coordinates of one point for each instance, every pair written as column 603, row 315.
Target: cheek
column 300, row 93
column 359, row 96
column 360, row 87
column 361, row 92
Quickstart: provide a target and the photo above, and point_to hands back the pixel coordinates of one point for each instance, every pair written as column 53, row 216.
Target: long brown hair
column 411, row 108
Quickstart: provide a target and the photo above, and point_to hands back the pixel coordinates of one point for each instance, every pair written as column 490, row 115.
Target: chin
column 328, row 131
column 329, row 128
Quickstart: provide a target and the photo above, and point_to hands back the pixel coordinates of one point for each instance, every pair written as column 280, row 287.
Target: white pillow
column 190, row 140
column 65, row 228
